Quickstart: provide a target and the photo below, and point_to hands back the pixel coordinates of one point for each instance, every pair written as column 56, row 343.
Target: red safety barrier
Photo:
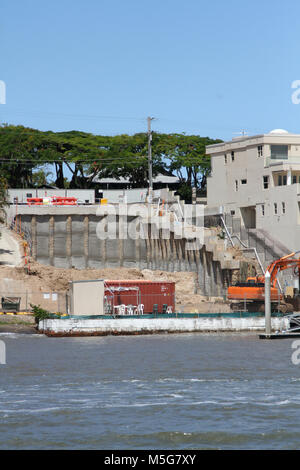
column 54, row 200
column 34, row 201
column 63, row 201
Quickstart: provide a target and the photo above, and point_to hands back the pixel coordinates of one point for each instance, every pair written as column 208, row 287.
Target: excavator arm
column 281, row 265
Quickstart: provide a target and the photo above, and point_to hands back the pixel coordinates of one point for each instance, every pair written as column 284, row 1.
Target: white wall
column 21, row 194
column 87, row 297
column 180, row 325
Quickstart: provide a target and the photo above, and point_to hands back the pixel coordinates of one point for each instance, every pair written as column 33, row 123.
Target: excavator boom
column 282, row 264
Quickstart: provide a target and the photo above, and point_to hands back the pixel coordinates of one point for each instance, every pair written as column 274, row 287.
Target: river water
column 187, row 391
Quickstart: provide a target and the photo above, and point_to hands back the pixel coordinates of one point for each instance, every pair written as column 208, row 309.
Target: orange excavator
column 252, row 292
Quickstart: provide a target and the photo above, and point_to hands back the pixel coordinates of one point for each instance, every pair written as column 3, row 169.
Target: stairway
column 267, row 246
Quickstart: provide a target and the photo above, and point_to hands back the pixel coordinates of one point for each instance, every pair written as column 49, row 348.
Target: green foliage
column 185, row 192
column 25, row 155
column 221, row 234
column 40, row 178
column 187, row 157
column 19, row 153
column 126, row 156
column 40, row 314
column 3, row 198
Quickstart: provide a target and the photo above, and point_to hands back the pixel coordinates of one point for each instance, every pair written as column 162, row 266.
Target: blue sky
column 201, row 67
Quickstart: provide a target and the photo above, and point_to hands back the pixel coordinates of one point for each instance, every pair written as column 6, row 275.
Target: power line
column 65, row 160
column 70, row 162
column 54, row 114
column 163, row 120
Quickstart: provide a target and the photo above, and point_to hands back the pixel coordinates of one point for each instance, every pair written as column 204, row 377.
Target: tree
column 18, row 154
column 126, row 156
column 25, row 154
column 40, row 178
column 186, row 155
column 3, row 198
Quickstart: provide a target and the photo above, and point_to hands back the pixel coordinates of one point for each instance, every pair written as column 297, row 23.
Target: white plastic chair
column 130, row 309
column 140, row 309
column 121, row 309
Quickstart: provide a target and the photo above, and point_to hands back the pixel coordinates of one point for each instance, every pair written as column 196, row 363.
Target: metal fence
column 133, row 301
column 15, row 224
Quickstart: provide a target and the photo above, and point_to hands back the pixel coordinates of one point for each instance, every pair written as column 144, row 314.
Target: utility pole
column 268, row 303
column 149, row 119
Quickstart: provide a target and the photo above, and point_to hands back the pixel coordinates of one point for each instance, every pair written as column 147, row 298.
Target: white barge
column 180, row 323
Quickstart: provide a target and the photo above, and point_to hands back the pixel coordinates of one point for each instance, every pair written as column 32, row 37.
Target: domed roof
column 279, row 131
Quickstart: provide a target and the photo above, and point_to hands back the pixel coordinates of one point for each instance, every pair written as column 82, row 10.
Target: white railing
column 278, row 161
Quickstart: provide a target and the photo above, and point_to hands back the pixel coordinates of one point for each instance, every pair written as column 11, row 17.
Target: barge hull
column 118, row 327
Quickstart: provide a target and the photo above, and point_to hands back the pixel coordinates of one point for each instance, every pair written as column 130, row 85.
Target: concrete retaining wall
column 90, row 327
column 67, row 237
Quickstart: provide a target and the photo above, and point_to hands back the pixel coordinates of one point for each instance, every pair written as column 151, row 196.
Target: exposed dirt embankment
column 41, row 278
column 50, row 279
column 10, row 248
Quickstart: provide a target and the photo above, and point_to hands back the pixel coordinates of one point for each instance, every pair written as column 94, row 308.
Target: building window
column 294, row 179
column 232, row 213
column 243, row 181
column 279, row 152
column 279, row 180
column 266, row 182
column 262, row 209
column 260, row 151
column 275, row 208
column 232, row 156
column 236, row 185
column 284, row 178
column 225, row 159
column 283, row 207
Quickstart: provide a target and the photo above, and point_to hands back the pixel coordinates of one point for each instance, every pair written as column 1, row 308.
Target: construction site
column 57, row 245
column 162, row 258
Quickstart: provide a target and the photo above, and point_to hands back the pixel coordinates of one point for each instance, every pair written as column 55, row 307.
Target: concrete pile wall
column 78, row 237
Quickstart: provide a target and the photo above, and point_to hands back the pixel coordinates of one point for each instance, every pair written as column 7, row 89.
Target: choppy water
column 188, row 391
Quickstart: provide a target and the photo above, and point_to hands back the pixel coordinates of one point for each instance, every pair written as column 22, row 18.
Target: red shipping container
column 148, row 293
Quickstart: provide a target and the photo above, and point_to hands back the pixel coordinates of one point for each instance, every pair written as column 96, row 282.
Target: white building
column 257, row 178
column 166, row 180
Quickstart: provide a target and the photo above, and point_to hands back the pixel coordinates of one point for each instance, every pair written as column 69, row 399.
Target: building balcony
column 291, row 160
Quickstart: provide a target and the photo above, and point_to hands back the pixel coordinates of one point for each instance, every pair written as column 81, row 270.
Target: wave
column 196, row 379
column 30, row 411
